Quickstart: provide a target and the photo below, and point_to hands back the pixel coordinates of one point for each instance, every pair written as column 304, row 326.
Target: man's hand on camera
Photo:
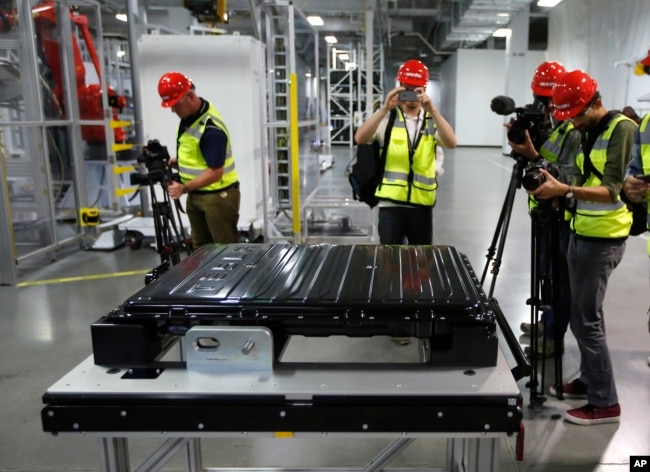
column 550, row 188
column 391, row 98
column 175, row 190
column 526, row 149
column 635, row 189
column 172, row 162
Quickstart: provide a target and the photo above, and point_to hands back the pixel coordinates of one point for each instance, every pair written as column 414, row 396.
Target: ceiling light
column 547, row 3
column 344, row 56
column 502, row 33
column 504, row 15
column 315, row 20
column 121, row 16
column 331, row 39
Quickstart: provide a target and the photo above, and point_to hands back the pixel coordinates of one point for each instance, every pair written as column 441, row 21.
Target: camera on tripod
column 533, row 178
column 531, row 118
column 155, row 159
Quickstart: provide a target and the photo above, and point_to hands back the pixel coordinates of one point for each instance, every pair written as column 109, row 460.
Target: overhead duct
column 474, row 21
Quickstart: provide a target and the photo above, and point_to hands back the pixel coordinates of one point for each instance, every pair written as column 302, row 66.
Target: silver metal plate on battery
column 229, row 349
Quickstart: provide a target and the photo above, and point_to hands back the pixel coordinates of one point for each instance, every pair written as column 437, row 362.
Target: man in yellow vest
column 635, row 188
column 205, row 161
column 560, row 149
column 600, row 227
column 407, row 192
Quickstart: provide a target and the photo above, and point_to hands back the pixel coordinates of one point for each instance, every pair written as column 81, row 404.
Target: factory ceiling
column 429, row 30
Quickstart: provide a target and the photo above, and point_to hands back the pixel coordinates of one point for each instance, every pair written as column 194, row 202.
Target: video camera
column 529, row 118
column 155, row 159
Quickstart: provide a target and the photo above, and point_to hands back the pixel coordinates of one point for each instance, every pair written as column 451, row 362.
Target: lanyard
column 413, row 143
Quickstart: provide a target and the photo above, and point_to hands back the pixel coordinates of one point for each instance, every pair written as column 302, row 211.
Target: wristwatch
column 569, row 193
column 185, row 189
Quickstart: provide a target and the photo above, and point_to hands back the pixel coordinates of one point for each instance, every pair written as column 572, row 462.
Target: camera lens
column 533, row 179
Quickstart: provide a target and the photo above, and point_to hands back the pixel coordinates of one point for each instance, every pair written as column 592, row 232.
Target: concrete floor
column 45, row 332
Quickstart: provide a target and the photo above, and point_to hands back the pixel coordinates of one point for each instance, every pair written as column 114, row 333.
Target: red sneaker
column 572, row 390
column 589, row 415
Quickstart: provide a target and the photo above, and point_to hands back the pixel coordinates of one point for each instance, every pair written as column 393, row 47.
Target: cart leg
column 473, row 455
column 114, row 455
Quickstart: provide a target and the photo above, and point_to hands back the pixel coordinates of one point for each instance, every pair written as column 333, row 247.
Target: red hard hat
column 545, row 77
column 571, row 94
column 173, row 86
column 414, row 73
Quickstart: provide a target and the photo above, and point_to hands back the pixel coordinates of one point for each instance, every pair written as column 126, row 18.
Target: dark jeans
column 404, row 225
column 590, row 265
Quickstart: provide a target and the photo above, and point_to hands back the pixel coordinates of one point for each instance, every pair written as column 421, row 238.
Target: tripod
column 170, row 235
column 494, row 258
column 546, row 285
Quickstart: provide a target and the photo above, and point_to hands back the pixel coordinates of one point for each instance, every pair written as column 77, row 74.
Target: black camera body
column 531, row 118
column 533, row 178
column 155, row 159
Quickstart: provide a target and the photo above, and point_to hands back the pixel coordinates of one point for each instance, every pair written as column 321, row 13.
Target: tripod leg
column 558, row 267
column 501, row 232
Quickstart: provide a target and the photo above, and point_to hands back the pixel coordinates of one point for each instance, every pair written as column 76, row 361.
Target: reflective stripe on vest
column 601, row 220
column 191, row 162
column 644, row 139
column 395, row 184
column 552, row 147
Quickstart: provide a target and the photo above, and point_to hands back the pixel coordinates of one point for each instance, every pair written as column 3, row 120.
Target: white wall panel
column 471, row 78
column 226, row 71
column 480, row 76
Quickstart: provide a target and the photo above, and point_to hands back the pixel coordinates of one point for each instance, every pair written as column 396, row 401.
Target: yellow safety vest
column 550, row 151
column 644, row 135
column 405, row 182
column 594, row 219
column 191, row 162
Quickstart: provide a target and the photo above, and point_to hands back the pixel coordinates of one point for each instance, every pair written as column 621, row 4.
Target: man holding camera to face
column 407, row 192
column 600, row 227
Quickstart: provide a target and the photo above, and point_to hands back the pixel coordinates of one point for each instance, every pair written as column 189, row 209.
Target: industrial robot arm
column 89, row 96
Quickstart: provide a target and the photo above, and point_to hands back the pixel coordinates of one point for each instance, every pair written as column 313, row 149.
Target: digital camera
column 533, row 178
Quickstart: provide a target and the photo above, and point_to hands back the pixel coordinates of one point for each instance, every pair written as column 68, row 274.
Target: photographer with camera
column 205, row 161
column 637, row 175
column 600, row 227
column 407, row 192
column 556, row 154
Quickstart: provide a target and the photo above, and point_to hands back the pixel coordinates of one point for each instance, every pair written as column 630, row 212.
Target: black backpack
column 368, row 170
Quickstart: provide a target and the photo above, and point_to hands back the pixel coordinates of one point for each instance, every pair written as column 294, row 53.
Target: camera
column 155, row 159
column 407, row 96
column 533, row 178
column 531, row 118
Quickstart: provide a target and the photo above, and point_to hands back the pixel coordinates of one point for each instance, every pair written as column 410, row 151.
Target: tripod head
column 170, row 235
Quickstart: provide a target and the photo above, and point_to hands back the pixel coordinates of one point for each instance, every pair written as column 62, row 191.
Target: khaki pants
column 214, row 216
